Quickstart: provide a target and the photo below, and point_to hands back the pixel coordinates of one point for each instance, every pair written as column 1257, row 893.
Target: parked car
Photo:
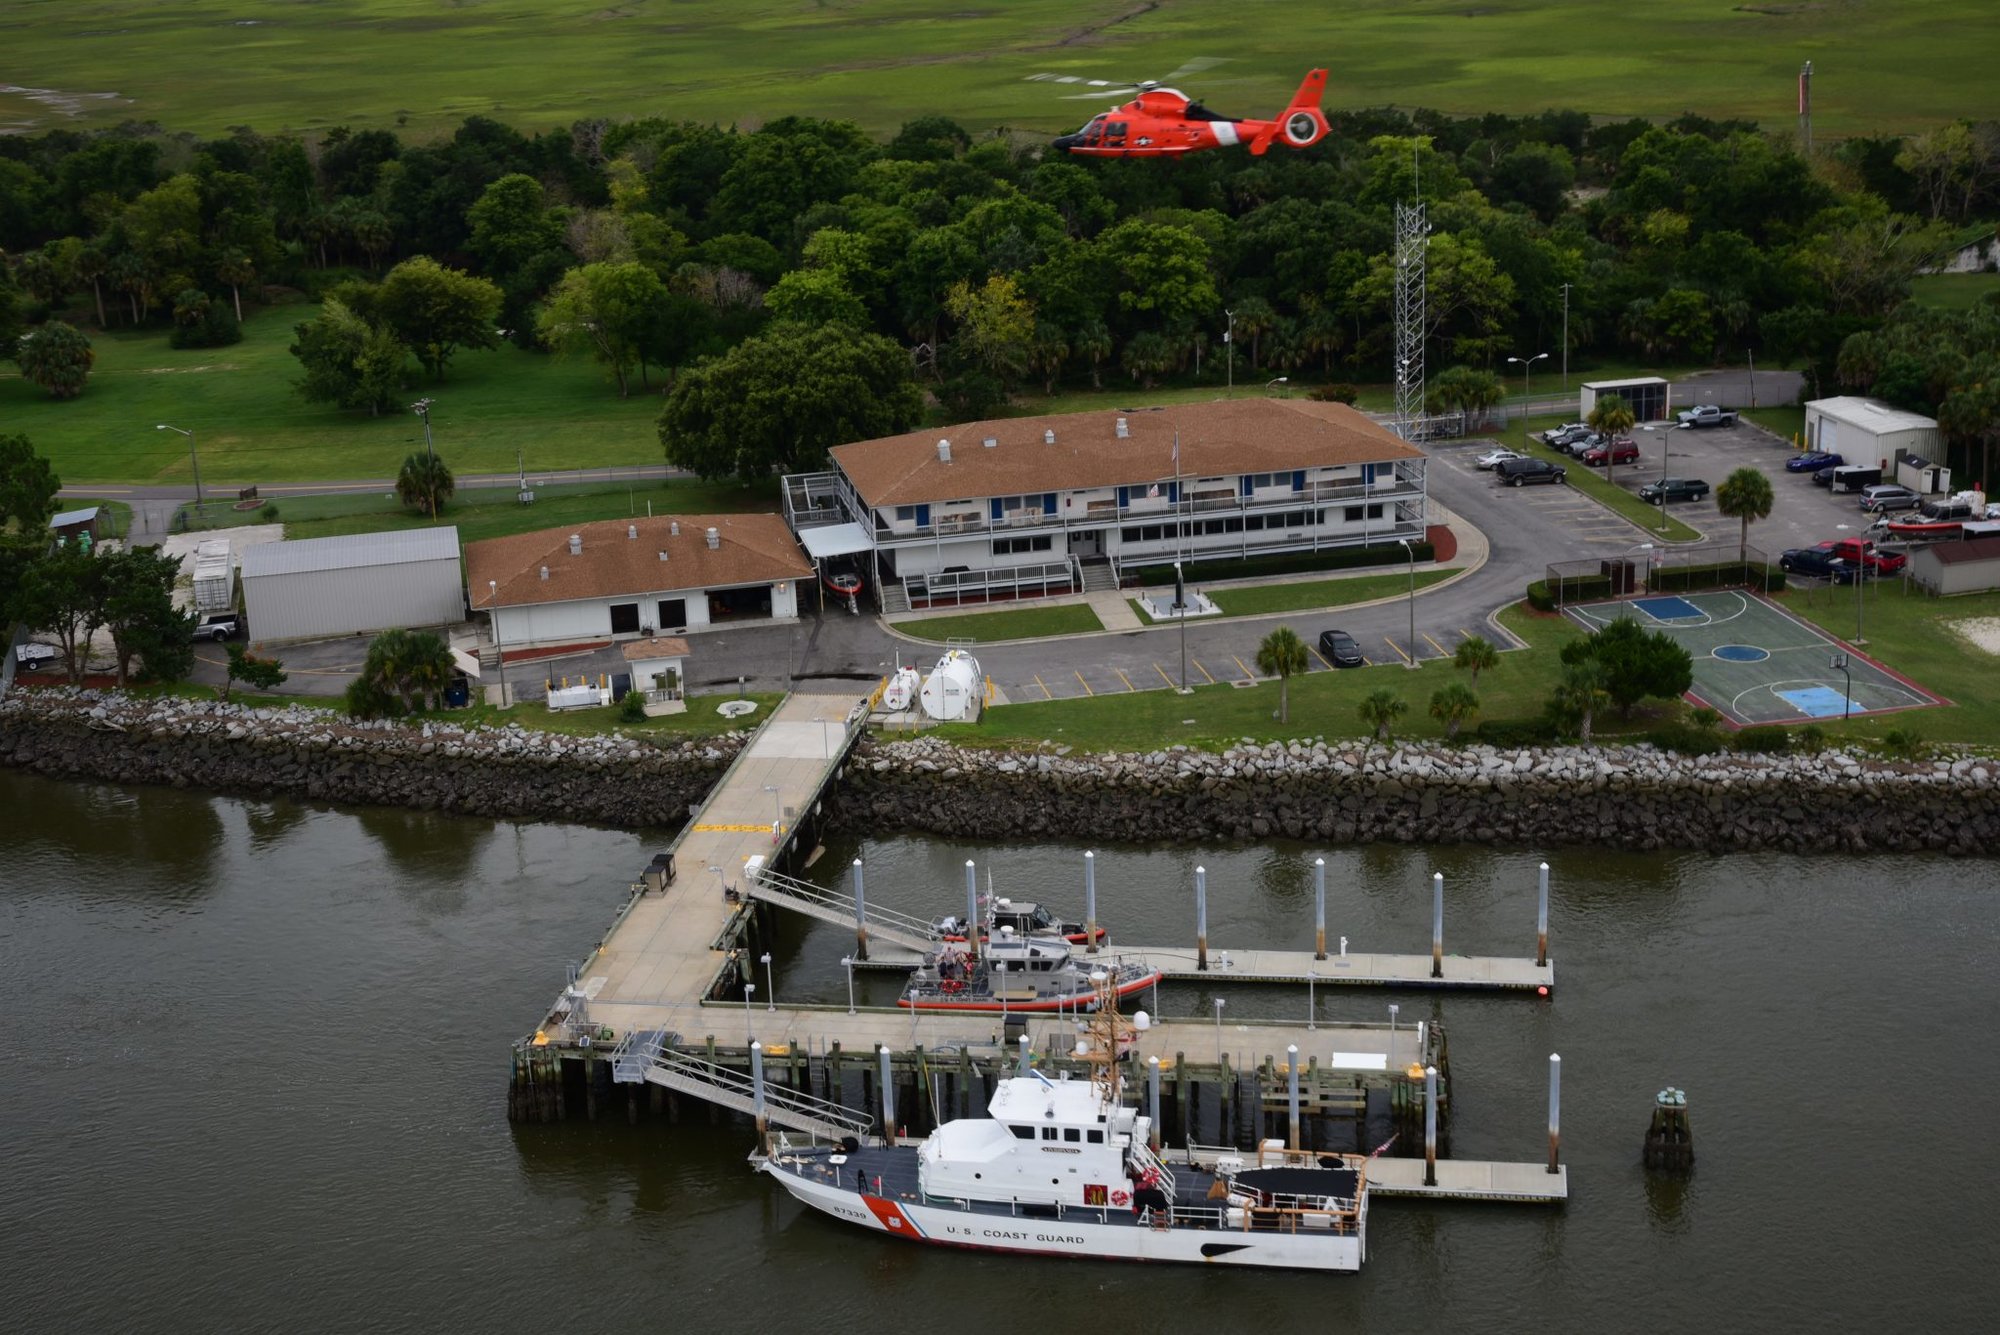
column 1619, row 451
column 1494, row 458
column 219, row 626
column 1708, row 415
column 1887, row 498
column 1824, row 477
column 1339, row 649
column 1578, row 446
column 1870, row 557
column 1521, row 472
column 1818, row 564
column 1812, row 461
column 1562, row 435
column 1673, row 489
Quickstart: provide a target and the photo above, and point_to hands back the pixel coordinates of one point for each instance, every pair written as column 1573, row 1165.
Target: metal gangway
column 644, row 1055
column 837, row 907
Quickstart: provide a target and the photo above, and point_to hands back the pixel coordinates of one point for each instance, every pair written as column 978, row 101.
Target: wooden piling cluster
column 1669, row 1136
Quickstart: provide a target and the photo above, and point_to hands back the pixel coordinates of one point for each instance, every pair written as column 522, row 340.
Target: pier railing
column 835, row 906
column 645, row 1056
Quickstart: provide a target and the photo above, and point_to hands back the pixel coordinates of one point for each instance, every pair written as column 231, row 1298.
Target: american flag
column 1153, row 492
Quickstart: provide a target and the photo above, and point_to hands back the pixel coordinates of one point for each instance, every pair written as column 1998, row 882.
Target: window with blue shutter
column 999, row 511
column 1246, row 484
column 1174, row 493
column 1048, row 502
column 1368, row 475
column 1124, row 497
column 923, row 516
column 1299, row 480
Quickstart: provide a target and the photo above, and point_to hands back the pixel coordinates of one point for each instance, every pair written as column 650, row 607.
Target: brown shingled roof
column 1966, row 549
column 1222, row 437
column 648, row 648
column 754, row 548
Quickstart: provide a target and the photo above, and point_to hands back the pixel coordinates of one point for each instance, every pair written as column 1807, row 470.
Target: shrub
column 632, row 709
column 1812, row 739
column 269, row 514
column 1766, row 740
column 1512, row 733
column 1685, row 739
column 1340, row 393
column 1705, row 718
column 1341, row 558
column 367, row 699
column 1905, row 744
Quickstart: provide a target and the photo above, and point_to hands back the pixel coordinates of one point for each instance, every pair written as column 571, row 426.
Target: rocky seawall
column 1618, row 797
column 313, row 755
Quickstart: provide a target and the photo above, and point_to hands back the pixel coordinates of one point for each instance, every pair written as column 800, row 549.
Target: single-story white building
column 1971, row 565
column 622, row 578
column 658, row 665
column 1870, row 432
column 1649, row 397
column 321, row 587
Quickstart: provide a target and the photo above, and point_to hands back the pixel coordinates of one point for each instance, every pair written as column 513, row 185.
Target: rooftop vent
column 714, row 539
column 944, row 451
column 631, row 530
column 545, row 572
column 990, row 442
column 1123, row 430
column 674, row 528
column 663, row 553
column 576, row 544
column 1049, row 436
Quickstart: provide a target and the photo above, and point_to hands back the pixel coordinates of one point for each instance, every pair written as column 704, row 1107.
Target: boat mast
column 1104, row 1038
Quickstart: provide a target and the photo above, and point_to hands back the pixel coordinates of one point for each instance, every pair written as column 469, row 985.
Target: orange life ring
column 951, row 985
column 1121, row 1198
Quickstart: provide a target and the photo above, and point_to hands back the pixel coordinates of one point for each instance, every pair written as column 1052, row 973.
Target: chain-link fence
column 1650, row 569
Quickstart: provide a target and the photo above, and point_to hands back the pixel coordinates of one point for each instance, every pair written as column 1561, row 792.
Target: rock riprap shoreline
column 1631, row 797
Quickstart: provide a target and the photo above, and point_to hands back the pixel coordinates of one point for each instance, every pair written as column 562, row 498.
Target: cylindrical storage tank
column 951, row 692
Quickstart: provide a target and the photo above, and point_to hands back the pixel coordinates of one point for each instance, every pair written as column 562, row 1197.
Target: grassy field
column 1913, row 633
column 1953, row 291
column 1263, row 599
column 495, row 512
column 251, row 426
column 1021, row 623
column 276, row 64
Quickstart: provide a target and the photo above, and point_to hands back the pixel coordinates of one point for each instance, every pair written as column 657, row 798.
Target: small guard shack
column 1970, row 565
column 1646, row 396
column 658, row 665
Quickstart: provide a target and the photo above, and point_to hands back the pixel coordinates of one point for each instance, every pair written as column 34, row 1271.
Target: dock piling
column 860, row 923
column 1292, row 1092
column 1670, row 1137
column 1153, row 1102
column 1437, row 924
column 1090, row 902
column 1027, row 1062
column 1319, row 909
column 888, row 1098
column 1555, row 1109
column 757, row 1097
column 971, row 911
column 1201, row 919
column 1430, row 1126
column 1542, row 922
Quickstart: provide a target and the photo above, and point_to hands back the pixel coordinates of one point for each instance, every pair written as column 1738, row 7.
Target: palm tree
column 1611, row 417
column 1382, row 708
column 1092, row 342
column 1745, row 495
column 1452, row 706
column 235, row 268
column 412, row 666
column 1253, row 316
column 425, row 483
column 1580, row 695
column 1281, row 654
column 1148, row 356
column 1047, row 351
column 1476, row 654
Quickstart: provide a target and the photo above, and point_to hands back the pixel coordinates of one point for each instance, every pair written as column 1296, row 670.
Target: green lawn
column 251, row 426
column 1593, row 483
column 1021, row 623
column 1953, row 291
column 1264, row 599
column 1322, row 703
column 1912, row 633
column 275, row 64
column 495, row 512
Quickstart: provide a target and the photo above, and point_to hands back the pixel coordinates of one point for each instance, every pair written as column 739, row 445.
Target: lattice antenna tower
column 1412, row 241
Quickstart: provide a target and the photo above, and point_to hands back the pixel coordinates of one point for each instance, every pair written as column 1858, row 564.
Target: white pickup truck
column 1708, row 415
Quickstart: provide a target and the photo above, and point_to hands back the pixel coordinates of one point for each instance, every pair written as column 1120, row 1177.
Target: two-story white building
column 1019, row 507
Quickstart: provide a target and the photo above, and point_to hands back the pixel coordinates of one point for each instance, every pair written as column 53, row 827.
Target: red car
column 1623, row 450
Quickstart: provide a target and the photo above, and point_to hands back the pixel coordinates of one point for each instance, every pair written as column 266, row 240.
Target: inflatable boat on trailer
column 1063, row 1168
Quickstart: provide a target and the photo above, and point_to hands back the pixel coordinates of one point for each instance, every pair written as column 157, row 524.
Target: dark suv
column 1673, row 489
column 1520, row 472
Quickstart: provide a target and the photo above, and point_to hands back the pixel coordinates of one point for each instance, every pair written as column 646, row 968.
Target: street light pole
column 1278, row 380
column 194, row 461
column 1527, row 365
column 1180, row 609
column 770, row 985
column 1566, row 288
column 422, row 408
column 1229, row 347
column 499, row 651
column 1411, row 553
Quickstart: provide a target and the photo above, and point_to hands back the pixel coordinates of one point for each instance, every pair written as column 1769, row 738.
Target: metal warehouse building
column 1868, row 431
column 1968, row 566
column 322, row 587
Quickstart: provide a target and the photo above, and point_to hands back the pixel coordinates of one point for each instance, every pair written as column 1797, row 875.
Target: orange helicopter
column 1165, row 122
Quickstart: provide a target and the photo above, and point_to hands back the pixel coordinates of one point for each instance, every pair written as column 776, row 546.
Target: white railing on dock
column 645, row 1057
column 835, row 906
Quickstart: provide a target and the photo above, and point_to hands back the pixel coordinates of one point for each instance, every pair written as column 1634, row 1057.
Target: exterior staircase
column 1099, row 575
column 894, row 599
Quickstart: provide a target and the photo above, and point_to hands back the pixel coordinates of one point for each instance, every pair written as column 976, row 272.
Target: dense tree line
column 975, row 267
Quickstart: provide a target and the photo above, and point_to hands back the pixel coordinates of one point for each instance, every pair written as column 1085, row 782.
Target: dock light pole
column 777, row 811
column 1555, row 1109
column 971, row 911
column 1437, row 924
column 847, row 963
column 1090, row 903
column 1542, row 921
column 1430, row 1126
column 1393, row 1008
column 749, row 1025
column 860, row 930
column 770, row 985
column 1201, row 919
column 1153, row 1103
column 1847, row 695
column 194, row 461
column 1292, row 1089
column 1000, row 986
column 1312, row 1004
column 1410, row 553
column 1220, row 1002
column 1527, row 365
column 1319, row 908
column 888, row 1099
column 757, row 1097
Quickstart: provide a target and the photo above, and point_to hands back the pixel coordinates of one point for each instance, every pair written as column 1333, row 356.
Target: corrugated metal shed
column 1967, row 566
column 323, row 587
column 351, row 552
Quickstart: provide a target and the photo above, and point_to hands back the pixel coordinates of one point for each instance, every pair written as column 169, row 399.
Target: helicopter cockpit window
column 1116, row 129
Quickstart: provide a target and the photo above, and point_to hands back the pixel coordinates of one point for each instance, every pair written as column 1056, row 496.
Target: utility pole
column 422, row 408
column 1566, row 288
column 1229, row 346
column 1805, row 107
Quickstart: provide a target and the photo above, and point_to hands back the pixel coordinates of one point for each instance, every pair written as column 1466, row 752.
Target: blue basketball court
column 1756, row 663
